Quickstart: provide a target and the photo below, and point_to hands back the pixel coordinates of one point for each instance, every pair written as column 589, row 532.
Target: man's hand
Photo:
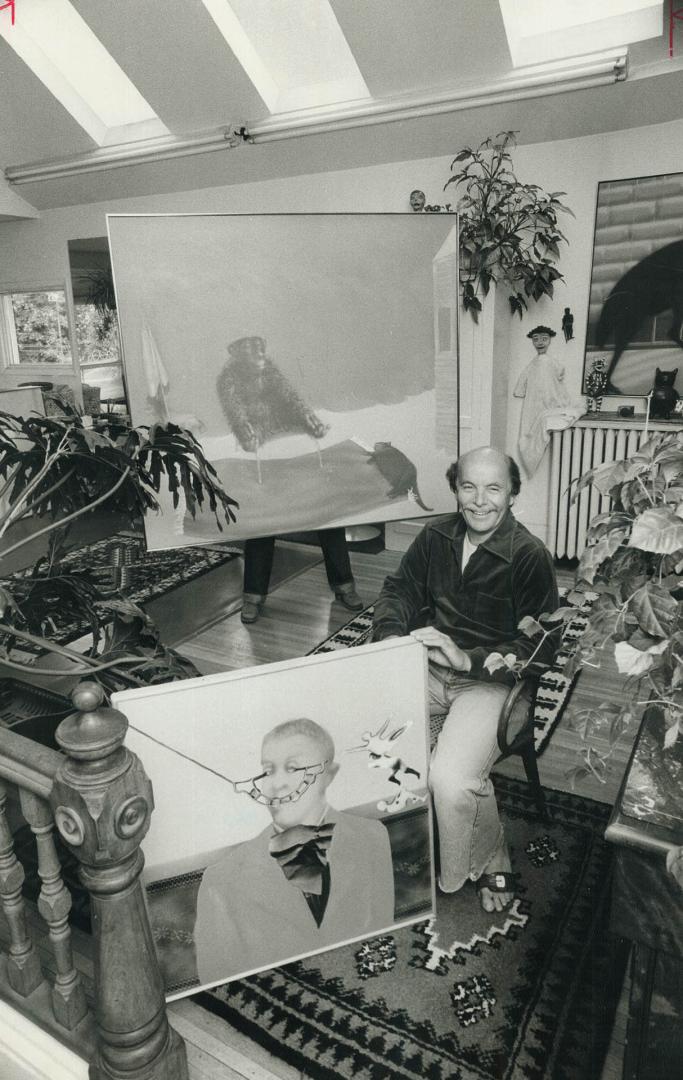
column 441, row 649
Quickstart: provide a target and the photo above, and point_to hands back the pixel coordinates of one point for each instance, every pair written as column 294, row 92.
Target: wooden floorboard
column 297, row 615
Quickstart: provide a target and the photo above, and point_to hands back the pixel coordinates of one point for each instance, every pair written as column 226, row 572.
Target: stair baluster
column 23, row 964
column 54, row 904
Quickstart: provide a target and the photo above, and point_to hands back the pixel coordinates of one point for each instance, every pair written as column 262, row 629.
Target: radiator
column 573, row 452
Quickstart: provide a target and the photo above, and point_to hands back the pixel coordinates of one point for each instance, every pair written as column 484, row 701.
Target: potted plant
column 509, row 231
column 102, row 296
column 629, row 594
column 633, row 565
column 57, row 470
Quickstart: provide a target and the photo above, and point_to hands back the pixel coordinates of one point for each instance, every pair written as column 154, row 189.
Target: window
column 35, row 328
column 96, row 330
column 99, row 350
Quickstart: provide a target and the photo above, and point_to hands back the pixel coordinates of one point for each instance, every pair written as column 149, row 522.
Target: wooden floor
column 299, row 613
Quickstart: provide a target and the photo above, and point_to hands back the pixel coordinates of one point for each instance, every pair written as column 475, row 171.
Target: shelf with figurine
column 617, row 419
column 662, row 405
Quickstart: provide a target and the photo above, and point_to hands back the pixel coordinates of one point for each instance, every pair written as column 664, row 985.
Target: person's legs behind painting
column 258, row 563
column 338, row 567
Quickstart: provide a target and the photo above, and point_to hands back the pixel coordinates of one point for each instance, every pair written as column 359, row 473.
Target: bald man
column 471, row 577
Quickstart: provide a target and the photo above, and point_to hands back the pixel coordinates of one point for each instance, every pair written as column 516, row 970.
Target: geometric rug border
column 286, row 1011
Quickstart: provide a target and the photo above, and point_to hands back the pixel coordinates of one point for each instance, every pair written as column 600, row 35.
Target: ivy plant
column 630, row 590
column 633, row 562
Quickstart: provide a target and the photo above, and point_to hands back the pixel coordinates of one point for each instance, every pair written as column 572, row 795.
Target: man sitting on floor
column 471, row 577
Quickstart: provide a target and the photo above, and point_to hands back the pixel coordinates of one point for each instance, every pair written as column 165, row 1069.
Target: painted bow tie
column 301, row 853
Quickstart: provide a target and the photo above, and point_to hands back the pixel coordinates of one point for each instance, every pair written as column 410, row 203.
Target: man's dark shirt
column 508, row 576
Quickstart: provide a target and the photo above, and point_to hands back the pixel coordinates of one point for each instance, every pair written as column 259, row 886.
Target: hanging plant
column 103, row 298
column 509, row 231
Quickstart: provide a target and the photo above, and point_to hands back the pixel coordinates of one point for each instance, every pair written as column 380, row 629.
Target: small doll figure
column 541, row 384
column 568, row 325
column 596, row 381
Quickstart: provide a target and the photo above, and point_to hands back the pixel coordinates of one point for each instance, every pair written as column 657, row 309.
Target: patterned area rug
column 120, row 566
column 526, row 995
column 554, row 689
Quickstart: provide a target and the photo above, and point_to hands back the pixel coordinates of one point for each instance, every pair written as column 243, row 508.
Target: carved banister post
column 54, row 904
column 102, row 802
column 23, row 965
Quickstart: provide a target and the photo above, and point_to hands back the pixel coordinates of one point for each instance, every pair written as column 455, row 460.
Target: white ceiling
column 173, row 53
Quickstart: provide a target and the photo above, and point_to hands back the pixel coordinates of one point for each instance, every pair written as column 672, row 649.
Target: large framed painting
column 314, row 356
column 635, row 318
column 304, row 820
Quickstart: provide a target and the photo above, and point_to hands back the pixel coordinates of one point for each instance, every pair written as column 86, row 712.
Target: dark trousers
column 259, row 552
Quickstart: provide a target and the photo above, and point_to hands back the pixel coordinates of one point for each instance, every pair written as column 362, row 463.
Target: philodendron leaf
column 496, row 661
column 632, row 661
column 673, row 720
column 604, row 523
column 655, row 609
column 530, row 626
column 657, row 529
column 606, row 476
column 594, row 556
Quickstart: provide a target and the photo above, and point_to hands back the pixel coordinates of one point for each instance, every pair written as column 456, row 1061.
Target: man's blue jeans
column 464, row 800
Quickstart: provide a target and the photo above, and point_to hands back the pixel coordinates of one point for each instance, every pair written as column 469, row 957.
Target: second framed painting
column 635, row 319
column 304, row 821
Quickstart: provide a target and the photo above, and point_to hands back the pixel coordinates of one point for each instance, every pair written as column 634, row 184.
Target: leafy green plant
column 633, row 562
column 57, row 470
column 509, row 231
column 548, row 625
column 103, row 298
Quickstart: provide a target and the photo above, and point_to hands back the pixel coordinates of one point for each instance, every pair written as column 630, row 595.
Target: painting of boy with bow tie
column 313, row 878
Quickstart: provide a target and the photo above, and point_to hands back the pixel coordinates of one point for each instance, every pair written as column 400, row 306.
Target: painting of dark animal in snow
column 292, row 343
column 258, row 401
column 651, row 287
column 399, row 471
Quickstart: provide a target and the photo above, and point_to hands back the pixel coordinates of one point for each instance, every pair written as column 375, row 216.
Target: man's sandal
column 501, row 882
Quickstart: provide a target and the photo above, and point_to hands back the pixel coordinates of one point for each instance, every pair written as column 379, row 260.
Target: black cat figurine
column 664, row 394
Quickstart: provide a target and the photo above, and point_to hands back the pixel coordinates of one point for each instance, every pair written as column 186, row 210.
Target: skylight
column 294, row 53
column 62, row 51
column 543, row 30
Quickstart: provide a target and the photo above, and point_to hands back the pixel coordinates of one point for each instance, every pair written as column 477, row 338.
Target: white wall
column 32, row 252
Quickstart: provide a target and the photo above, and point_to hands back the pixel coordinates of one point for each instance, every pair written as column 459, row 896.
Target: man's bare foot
column 498, row 864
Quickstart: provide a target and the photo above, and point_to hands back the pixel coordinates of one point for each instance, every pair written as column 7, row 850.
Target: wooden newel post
column 102, row 802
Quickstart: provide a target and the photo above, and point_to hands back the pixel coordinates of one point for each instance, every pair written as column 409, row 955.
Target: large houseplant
column 56, row 470
column 509, row 230
column 633, row 562
column 629, row 591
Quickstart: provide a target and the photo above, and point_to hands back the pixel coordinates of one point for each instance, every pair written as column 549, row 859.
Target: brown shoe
column 347, row 595
column 251, row 609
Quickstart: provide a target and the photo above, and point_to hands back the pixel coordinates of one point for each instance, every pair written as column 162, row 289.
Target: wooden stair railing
column 97, row 795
